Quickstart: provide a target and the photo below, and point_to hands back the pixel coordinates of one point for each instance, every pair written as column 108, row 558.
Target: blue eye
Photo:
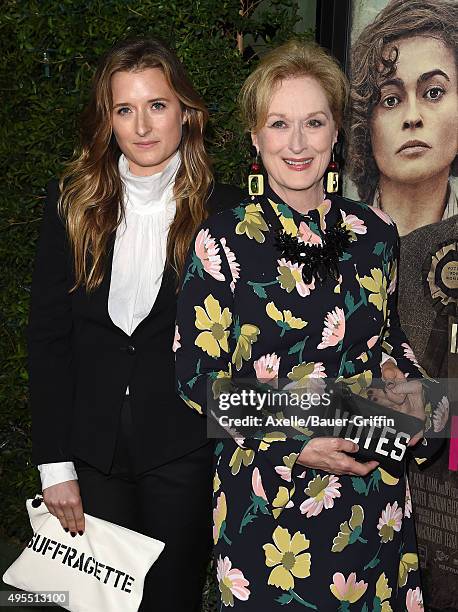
column 123, row 111
column 158, row 105
column 434, row 93
column 391, row 101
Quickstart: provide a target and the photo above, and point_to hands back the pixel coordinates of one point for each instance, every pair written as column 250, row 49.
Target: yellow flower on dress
column 358, row 383
column 376, row 284
column 222, row 382
column 241, row 455
column 288, row 223
column 215, row 324
column 287, row 558
column 282, row 500
column 219, row 516
column 284, row 319
column 253, row 224
column 347, row 589
column 268, row 438
column 216, row 482
column 191, row 404
column 408, row 563
column 387, row 478
column 383, row 592
column 248, row 335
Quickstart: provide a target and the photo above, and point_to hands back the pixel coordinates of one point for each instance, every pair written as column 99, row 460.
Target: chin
column 418, row 174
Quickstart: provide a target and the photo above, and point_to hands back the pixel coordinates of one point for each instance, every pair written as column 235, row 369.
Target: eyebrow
column 148, row 102
column 308, row 115
column 421, row 79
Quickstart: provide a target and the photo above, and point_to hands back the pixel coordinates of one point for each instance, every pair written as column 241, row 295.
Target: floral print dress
column 285, row 535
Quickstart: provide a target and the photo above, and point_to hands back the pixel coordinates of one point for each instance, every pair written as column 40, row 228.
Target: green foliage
column 49, row 51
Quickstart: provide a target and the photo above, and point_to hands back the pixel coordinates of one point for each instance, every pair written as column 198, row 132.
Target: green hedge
column 49, row 51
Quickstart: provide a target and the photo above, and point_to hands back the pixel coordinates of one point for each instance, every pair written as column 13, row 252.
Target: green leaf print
column 379, row 248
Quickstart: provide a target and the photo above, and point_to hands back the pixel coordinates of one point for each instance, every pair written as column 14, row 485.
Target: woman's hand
column 63, row 500
column 330, row 455
column 401, row 394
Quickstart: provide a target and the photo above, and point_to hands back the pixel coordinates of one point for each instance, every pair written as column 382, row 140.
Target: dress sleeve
column 205, row 341
column 396, row 345
column 50, row 340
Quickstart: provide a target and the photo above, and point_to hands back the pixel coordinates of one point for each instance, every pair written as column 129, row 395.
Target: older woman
column 298, row 521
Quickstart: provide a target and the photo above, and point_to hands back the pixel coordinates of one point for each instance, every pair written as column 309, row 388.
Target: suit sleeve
column 396, row 345
column 50, row 340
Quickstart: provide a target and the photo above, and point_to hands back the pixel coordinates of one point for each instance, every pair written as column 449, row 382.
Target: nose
column 412, row 118
column 142, row 123
column 298, row 140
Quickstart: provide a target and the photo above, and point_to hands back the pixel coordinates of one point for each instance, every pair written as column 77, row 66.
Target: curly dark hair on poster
column 370, row 62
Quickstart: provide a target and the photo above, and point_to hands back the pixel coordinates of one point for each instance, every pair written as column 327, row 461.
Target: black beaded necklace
column 318, row 261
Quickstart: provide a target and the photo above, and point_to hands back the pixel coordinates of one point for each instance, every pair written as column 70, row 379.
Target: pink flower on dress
column 347, row 589
column 256, row 483
column 232, row 583
column 440, row 416
column 208, row 253
column 390, row 520
column 334, row 328
column 322, row 493
column 414, row 600
column 393, row 282
column 372, row 341
column 233, row 264
column 409, row 354
column 267, row 366
column 353, row 223
column 295, row 274
column 408, row 502
column 176, row 340
column 383, row 216
column 306, row 235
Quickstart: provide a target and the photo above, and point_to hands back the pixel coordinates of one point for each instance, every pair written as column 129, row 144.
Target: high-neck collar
column 147, row 194
column 321, row 215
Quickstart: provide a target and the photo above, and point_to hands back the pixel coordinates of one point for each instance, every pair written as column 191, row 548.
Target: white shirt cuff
column 386, row 357
column 55, row 473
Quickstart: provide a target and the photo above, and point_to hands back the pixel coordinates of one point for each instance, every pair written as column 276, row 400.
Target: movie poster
column 402, row 158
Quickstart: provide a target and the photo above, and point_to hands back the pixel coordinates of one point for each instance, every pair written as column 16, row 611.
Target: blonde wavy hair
column 292, row 59
column 91, row 201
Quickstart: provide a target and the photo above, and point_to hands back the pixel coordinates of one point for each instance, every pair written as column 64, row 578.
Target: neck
column 301, row 200
column 414, row 205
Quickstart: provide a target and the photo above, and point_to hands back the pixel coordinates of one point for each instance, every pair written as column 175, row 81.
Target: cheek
column 382, row 133
column 120, row 129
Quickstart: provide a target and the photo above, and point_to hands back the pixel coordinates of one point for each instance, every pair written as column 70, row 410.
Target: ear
column 254, row 140
column 336, row 137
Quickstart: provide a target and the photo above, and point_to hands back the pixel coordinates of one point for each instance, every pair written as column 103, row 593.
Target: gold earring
column 256, row 179
column 332, row 175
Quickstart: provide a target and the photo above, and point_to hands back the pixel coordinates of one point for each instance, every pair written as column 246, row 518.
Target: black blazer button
column 131, row 349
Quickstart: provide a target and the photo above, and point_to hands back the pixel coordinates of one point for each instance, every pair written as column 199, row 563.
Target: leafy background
column 49, row 52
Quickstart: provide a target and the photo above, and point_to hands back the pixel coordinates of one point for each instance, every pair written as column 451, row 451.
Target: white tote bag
column 103, row 570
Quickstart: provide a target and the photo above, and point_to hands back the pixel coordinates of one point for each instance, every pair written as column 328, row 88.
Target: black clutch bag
column 381, row 433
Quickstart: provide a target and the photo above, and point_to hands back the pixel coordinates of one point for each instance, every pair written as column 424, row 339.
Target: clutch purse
column 381, row 433
column 104, row 569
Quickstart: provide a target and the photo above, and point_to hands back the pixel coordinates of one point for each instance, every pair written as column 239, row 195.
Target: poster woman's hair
column 369, row 62
column 91, row 187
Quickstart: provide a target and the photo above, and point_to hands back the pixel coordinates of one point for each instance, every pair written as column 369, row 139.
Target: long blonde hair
column 92, row 191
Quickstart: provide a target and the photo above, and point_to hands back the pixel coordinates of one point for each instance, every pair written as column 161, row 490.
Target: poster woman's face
column 414, row 128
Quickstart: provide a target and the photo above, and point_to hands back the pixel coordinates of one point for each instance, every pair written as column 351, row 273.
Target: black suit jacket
column 81, row 363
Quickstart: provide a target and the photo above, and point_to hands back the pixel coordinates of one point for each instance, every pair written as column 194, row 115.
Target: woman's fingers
column 64, row 502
